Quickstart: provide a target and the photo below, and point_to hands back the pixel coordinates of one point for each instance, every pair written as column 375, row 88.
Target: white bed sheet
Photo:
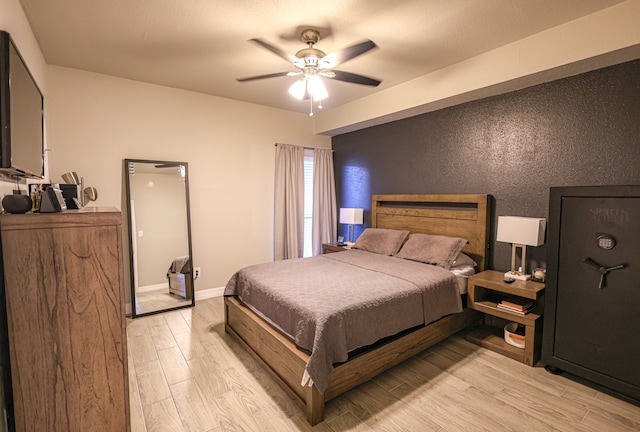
column 462, row 273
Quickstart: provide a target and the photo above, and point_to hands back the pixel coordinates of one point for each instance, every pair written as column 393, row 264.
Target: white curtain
column 288, row 229
column 325, row 226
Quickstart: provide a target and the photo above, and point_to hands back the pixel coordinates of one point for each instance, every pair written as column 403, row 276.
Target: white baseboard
column 200, row 295
column 209, row 293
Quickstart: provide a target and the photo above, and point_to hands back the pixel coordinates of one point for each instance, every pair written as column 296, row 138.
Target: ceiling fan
column 313, row 63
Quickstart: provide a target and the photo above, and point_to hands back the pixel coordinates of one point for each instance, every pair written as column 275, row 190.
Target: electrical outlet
column 196, row 272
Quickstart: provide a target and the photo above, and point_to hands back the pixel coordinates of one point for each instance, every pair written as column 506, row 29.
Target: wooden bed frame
column 465, row 216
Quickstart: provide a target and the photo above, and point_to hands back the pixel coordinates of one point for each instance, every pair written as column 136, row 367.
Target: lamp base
column 516, row 275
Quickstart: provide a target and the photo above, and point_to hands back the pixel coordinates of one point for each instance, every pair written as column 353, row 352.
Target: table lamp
column 351, row 217
column 520, row 232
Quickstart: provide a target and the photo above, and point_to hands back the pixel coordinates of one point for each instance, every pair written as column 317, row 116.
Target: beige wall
column 96, row 121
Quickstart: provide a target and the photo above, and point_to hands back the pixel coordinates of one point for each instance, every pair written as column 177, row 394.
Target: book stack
column 518, row 305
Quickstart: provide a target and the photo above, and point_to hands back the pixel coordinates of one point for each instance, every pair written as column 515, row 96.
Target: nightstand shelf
column 492, row 338
column 483, row 291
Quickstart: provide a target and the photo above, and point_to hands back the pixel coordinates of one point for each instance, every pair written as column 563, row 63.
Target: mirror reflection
column 159, row 236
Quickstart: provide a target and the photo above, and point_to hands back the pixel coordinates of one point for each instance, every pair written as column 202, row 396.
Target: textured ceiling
column 202, row 45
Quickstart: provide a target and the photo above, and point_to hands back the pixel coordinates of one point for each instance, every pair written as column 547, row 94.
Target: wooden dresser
column 66, row 321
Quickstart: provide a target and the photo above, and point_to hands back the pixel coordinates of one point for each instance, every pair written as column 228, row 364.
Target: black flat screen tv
column 21, row 115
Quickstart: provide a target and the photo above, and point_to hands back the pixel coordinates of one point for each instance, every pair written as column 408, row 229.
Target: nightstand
column 484, row 292
column 332, row 247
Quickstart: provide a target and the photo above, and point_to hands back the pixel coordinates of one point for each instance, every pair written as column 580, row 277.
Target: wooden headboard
column 465, row 215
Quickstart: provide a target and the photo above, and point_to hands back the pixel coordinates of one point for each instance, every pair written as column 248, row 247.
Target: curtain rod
column 306, row 148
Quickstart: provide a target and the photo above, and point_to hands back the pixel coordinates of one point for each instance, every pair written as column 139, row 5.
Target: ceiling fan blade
column 338, row 57
column 277, row 51
column 355, row 78
column 259, row 77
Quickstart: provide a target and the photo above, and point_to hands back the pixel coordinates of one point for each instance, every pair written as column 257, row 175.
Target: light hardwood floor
column 186, row 374
column 149, row 301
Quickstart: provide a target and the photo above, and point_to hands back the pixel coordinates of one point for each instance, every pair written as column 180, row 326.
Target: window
column 308, row 202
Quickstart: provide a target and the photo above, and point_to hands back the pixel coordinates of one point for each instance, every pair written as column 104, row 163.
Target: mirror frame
column 127, row 175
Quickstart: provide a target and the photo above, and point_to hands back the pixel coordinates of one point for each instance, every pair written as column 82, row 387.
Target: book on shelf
column 522, row 311
column 517, row 302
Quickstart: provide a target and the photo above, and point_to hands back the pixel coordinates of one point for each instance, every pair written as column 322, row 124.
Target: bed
column 292, row 361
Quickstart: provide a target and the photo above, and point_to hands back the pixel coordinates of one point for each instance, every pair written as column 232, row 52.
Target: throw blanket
column 334, row 303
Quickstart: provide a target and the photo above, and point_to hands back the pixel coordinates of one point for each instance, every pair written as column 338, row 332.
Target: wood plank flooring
column 186, row 374
column 158, row 299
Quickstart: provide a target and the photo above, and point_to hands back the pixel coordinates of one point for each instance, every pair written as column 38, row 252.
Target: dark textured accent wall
column 581, row 130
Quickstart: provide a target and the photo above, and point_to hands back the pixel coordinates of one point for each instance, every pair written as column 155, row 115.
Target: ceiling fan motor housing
column 310, row 56
column 310, row 36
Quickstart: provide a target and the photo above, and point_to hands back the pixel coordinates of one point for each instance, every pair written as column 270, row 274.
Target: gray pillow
column 432, row 249
column 381, row 240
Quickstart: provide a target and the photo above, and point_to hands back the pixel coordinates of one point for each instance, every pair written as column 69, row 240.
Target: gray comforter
column 334, row 303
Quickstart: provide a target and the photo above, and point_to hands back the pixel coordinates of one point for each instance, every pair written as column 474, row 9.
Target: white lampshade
column 521, row 230
column 298, row 89
column 351, row 216
column 316, row 88
column 311, row 86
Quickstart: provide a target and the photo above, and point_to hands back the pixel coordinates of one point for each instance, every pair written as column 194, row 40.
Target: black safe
column 592, row 306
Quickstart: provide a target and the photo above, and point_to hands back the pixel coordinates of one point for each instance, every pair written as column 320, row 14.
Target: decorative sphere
column 16, row 203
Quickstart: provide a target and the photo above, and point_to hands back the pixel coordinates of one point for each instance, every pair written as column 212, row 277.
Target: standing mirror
column 159, row 236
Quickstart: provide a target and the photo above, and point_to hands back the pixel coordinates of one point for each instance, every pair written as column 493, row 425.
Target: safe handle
column 602, row 270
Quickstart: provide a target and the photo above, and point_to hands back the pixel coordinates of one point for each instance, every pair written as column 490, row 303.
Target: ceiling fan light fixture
column 316, row 88
column 309, row 86
column 298, row 89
